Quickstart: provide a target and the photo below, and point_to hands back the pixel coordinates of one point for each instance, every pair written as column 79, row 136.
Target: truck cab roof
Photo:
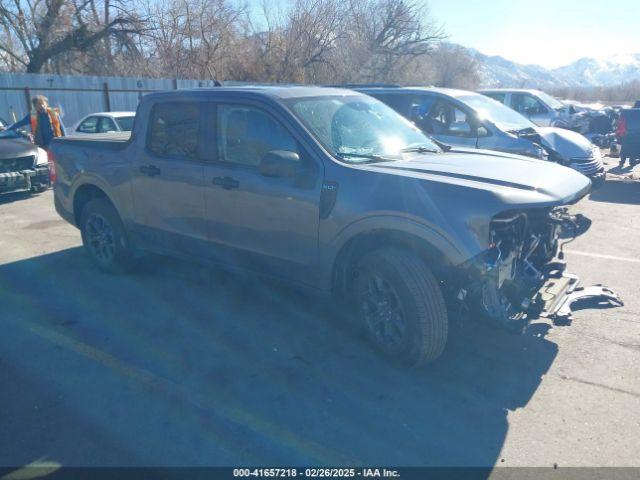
column 275, row 92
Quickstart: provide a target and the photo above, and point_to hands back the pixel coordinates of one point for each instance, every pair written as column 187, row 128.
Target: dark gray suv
column 328, row 189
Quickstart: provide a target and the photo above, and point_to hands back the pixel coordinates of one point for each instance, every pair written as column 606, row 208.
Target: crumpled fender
column 565, row 142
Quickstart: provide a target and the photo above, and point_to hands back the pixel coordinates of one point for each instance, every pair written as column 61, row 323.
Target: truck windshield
column 360, row 129
column 497, row 113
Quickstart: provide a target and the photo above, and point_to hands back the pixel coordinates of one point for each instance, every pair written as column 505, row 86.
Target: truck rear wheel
column 104, row 236
column 401, row 306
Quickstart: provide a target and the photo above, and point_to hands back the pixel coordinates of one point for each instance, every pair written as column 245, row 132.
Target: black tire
column 104, row 236
column 408, row 323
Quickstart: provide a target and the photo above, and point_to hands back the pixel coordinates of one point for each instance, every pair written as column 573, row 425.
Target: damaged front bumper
column 592, row 166
column 36, row 178
column 520, row 278
column 558, row 306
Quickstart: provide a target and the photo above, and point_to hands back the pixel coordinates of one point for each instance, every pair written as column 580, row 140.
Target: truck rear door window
column 174, row 129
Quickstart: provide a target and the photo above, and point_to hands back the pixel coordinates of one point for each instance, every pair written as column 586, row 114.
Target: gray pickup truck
column 328, row 189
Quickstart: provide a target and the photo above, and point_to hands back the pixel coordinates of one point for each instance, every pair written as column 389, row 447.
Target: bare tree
column 295, row 44
column 387, row 35
column 452, row 66
column 314, row 30
column 38, row 31
column 303, row 41
column 192, row 38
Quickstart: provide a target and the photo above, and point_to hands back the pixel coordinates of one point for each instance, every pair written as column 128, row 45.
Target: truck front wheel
column 104, row 236
column 401, row 306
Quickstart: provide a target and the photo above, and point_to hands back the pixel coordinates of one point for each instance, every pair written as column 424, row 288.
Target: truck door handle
column 226, row 182
column 150, row 170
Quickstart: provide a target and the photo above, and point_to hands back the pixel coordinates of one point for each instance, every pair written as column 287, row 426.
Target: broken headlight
column 513, row 267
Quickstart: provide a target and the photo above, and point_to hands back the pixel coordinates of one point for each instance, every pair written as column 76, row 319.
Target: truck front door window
column 246, row 134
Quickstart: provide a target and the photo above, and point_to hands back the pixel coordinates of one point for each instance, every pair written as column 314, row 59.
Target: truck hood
column 514, row 179
column 566, row 143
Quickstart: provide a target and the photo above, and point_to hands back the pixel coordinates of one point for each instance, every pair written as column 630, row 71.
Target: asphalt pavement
column 176, row 364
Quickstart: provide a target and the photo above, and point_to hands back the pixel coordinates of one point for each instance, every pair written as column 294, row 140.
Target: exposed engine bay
column 521, row 276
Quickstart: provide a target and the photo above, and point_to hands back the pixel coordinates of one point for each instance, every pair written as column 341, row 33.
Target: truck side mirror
column 280, row 163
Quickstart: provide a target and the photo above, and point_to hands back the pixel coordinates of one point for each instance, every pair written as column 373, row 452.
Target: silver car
column 541, row 108
column 466, row 119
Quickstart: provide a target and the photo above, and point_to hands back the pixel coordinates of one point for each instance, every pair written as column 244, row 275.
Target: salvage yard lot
column 176, row 364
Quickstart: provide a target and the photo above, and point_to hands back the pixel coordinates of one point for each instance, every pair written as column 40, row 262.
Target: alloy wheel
column 100, row 238
column 382, row 311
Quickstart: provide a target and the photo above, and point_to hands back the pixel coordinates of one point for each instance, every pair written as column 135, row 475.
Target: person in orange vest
column 45, row 122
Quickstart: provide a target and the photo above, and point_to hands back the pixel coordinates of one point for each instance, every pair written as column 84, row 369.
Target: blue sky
column 546, row 32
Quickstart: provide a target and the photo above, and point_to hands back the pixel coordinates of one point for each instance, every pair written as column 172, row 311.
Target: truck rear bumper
column 24, row 180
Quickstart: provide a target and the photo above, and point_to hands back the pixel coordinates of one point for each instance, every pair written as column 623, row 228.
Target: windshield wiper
column 370, row 157
column 419, row 149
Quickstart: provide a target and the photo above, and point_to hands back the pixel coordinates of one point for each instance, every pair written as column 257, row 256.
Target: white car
column 103, row 122
column 540, row 107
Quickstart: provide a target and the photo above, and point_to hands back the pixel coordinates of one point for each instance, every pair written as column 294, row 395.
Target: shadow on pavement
column 14, row 197
column 617, row 192
column 180, row 365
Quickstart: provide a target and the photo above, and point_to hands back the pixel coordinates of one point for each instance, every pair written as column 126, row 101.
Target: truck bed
column 110, row 141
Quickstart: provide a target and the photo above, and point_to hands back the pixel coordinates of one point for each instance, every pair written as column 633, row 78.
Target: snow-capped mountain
column 496, row 71
column 613, row 70
column 587, row 72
